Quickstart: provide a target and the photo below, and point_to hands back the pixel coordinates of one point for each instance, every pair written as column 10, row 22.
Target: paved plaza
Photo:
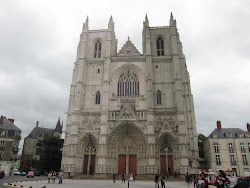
column 99, row 183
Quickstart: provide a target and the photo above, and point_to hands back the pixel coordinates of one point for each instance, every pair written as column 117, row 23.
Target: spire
column 111, row 23
column 171, row 21
column 86, row 24
column 146, row 21
column 58, row 126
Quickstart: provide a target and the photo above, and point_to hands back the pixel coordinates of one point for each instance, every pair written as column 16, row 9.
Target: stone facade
column 10, row 136
column 29, row 153
column 228, row 148
column 130, row 112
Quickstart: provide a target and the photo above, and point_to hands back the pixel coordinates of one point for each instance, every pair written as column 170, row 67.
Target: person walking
column 221, row 180
column 195, row 180
column 123, row 177
column 49, row 176
column 156, row 181
column 134, row 177
column 54, row 177
column 60, row 175
column 203, row 183
column 114, row 177
column 163, row 179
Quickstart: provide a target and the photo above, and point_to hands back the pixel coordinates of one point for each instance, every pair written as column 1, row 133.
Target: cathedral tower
column 128, row 111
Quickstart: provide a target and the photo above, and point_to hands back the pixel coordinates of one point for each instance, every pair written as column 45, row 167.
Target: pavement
column 96, row 184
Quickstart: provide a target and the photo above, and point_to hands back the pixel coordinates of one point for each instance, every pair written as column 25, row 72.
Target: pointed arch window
column 98, row 49
column 128, row 84
column 160, row 46
column 158, row 97
column 97, row 98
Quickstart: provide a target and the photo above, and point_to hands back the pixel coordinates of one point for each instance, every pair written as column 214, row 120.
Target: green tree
column 50, row 151
column 201, row 139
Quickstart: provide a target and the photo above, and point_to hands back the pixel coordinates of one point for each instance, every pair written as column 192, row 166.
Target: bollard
column 21, row 186
column 30, row 187
column 128, row 183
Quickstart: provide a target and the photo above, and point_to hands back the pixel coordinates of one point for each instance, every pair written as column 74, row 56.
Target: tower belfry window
column 97, row 97
column 158, row 97
column 128, row 84
column 160, row 46
column 98, row 49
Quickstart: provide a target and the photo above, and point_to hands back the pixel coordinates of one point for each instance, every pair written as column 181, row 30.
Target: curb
column 14, row 184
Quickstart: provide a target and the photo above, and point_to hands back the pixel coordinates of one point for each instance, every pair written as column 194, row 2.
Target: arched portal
column 167, row 149
column 126, row 150
column 86, row 152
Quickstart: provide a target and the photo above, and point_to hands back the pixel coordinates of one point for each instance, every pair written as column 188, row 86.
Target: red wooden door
column 170, row 164
column 121, row 164
column 92, row 165
column 132, row 164
column 85, row 164
column 163, row 165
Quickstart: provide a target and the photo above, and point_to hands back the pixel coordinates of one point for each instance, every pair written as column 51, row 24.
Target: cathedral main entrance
column 126, row 150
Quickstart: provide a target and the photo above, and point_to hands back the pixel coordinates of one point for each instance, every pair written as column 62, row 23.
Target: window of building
column 98, row 71
column 240, row 135
column 244, row 158
column 242, row 147
column 4, row 133
column 216, row 148
column 215, row 135
column 217, row 159
column 247, row 135
column 160, row 46
column 2, row 143
column 231, row 147
column 156, row 66
column 232, row 160
column 128, row 84
column 97, row 97
column 158, row 97
column 1, row 155
column 98, row 48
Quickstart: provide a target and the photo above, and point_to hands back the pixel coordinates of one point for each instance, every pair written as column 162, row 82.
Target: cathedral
column 130, row 111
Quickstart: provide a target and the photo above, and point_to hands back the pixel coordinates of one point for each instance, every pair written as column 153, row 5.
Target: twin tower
column 130, row 112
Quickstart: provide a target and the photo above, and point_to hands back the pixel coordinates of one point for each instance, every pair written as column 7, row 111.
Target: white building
column 130, row 111
column 228, row 149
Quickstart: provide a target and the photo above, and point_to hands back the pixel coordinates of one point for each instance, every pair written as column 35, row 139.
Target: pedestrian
column 195, row 180
column 60, row 175
column 221, row 180
column 187, row 178
column 203, row 183
column 114, row 177
column 163, row 179
column 71, row 175
column 134, row 177
column 49, row 176
column 156, row 181
column 191, row 178
column 123, row 177
column 54, row 177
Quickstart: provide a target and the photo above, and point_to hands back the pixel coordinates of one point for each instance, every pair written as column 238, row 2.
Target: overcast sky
column 38, row 42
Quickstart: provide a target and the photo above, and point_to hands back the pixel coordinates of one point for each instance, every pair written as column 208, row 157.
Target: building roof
column 45, row 131
column 222, row 132
column 7, row 124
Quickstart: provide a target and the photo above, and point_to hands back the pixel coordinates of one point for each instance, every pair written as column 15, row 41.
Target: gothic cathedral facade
column 128, row 111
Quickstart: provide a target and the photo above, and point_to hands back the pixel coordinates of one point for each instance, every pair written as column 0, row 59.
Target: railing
column 243, row 150
column 128, row 97
column 233, row 162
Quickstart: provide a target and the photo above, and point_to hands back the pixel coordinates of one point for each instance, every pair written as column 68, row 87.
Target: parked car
column 17, row 173
column 23, row 174
column 30, row 174
column 2, row 174
column 234, row 181
column 37, row 173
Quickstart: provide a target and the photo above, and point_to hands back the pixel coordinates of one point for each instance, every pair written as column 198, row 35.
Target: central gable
column 128, row 49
